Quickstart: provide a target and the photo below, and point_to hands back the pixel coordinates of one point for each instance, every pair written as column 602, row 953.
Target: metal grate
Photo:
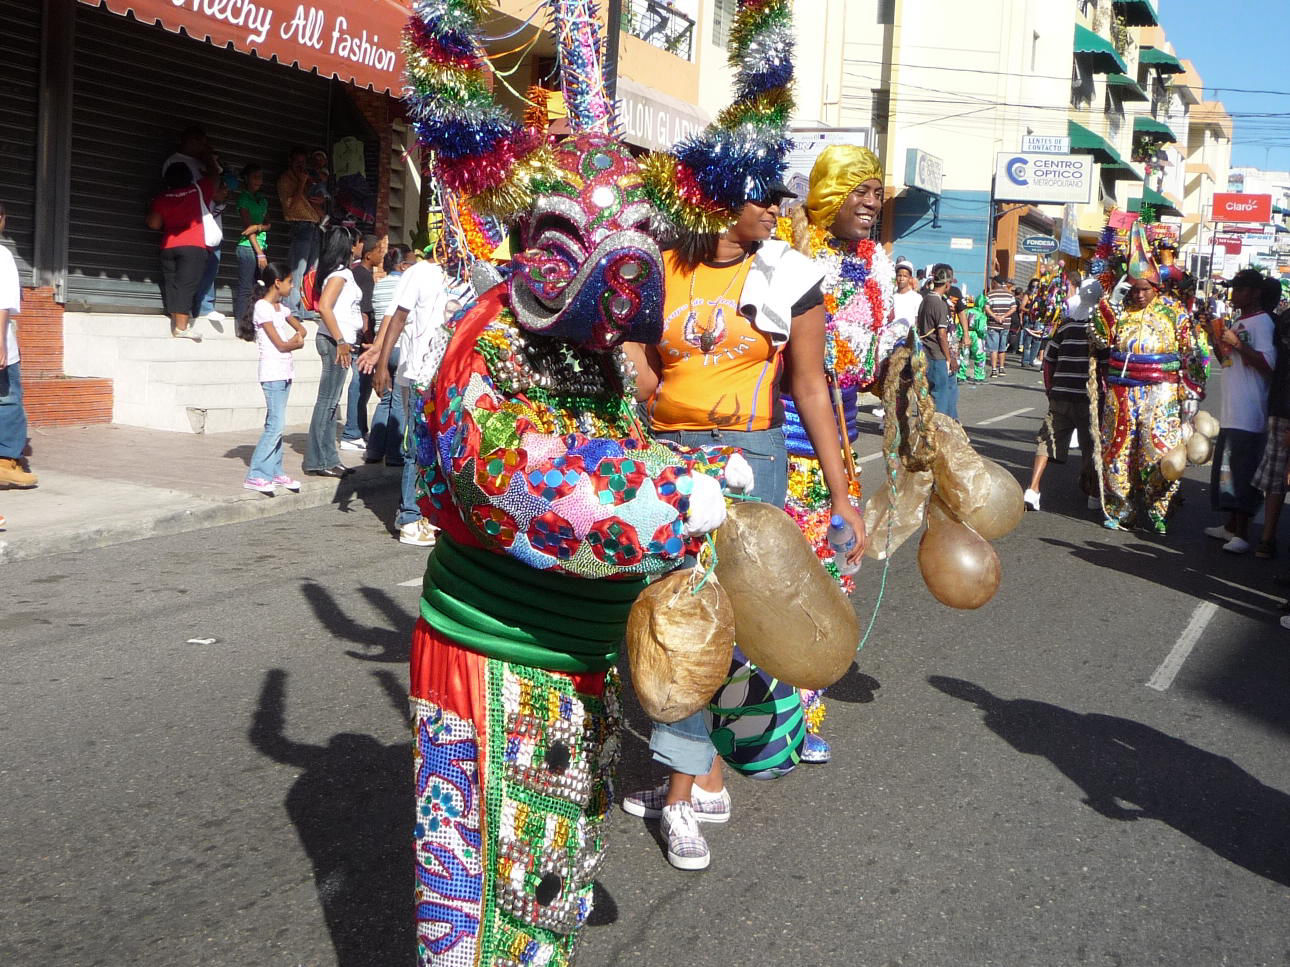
column 660, row 24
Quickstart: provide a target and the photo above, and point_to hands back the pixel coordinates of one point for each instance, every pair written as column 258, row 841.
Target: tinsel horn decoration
column 576, row 24
column 481, row 152
column 703, row 182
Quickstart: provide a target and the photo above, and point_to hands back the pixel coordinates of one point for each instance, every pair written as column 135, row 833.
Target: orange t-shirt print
column 718, row 369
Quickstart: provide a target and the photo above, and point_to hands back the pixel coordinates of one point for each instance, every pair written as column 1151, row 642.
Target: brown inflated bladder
column 977, row 491
column 959, row 566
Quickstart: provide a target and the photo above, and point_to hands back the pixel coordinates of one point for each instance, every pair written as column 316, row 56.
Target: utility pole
column 615, row 29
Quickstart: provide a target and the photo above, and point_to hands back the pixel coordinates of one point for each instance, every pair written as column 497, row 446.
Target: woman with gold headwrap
column 833, row 229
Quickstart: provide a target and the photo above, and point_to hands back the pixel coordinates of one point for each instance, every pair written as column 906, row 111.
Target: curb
column 203, row 514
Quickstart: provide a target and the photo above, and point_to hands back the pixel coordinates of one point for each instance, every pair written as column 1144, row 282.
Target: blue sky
column 1240, row 44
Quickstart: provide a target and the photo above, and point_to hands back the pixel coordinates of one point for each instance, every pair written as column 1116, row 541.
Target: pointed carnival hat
column 701, row 184
column 1142, row 265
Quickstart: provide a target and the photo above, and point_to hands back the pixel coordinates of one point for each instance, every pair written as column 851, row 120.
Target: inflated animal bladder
column 1206, row 424
column 912, row 490
column 959, row 565
column 680, row 639
column 977, row 491
column 791, row 618
column 1174, row 463
column 1200, row 448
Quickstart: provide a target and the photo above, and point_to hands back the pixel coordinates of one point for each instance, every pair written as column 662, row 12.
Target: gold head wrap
column 838, row 171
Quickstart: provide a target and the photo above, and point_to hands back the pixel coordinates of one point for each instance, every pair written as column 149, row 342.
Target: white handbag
column 212, row 229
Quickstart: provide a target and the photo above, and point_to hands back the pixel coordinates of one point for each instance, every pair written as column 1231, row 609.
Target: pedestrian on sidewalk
column 416, row 330
column 179, row 213
column 1000, row 308
column 339, row 301
column 1271, row 475
column 13, row 417
column 1066, row 382
column 1247, row 350
column 385, row 440
column 277, row 334
column 935, row 322
column 302, row 222
column 253, row 246
column 195, row 151
column 372, row 250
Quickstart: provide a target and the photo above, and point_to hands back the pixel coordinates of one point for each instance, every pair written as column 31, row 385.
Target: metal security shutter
column 19, row 82
column 136, row 86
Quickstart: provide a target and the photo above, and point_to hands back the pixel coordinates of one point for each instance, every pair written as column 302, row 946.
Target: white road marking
column 414, row 583
column 1169, row 668
column 1004, row 416
column 872, row 456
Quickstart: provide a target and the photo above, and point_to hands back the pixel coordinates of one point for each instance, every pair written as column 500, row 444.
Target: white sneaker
column 686, row 847
column 419, row 533
column 187, row 333
column 1219, row 532
column 215, row 317
column 1237, row 545
column 1031, row 497
column 359, row 444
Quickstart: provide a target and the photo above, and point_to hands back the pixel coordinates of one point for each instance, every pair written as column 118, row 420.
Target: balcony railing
column 659, row 23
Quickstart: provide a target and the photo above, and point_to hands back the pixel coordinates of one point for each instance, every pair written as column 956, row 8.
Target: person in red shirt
column 177, row 214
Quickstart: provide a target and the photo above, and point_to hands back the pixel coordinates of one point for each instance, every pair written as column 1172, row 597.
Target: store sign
column 1230, row 206
column 962, row 244
column 1231, row 244
column 1043, row 178
column 651, row 119
column 1039, row 244
column 1261, row 239
column 355, row 40
column 924, row 171
column 807, row 145
column 1045, row 144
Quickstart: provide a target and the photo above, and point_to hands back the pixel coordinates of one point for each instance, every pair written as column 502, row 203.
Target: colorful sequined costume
column 1155, row 367
column 859, row 286
column 972, row 367
column 553, row 507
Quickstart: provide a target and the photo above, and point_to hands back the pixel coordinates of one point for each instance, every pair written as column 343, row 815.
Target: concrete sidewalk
column 102, row 485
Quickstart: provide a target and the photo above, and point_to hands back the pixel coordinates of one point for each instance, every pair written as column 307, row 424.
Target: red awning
column 359, row 41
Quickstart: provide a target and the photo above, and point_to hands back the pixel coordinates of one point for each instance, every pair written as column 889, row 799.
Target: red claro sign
column 1236, row 207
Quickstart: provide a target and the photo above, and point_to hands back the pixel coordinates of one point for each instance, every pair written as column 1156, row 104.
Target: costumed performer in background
column 833, row 228
column 553, row 508
column 742, row 311
column 1153, row 369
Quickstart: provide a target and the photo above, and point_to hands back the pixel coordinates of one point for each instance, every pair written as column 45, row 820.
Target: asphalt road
column 204, row 760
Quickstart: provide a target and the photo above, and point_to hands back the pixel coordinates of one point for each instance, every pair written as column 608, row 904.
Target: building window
column 723, row 15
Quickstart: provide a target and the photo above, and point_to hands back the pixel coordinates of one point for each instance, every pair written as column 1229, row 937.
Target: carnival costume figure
column 553, row 507
column 1155, row 368
column 972, row 366
column 832, row 228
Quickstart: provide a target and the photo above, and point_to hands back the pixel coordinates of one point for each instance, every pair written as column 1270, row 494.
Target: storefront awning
column 358, row 41
column 1126, row 87
column 1137, row 13
column 1099, row 52
column 654, row 120
column 1149, row 125
column 1161, row 204
column 1161, row 60
column 1121, row 171
column 1084, row 141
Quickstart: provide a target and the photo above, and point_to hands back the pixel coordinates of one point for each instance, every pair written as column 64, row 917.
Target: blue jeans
column 302, row 255
column 944, row 387
column 246, row 271
column 360, row 391
column 684, row 746
column 408, row 509
column 321, row 452
column 204, row 301
column 384, row 441
column 266, row 462
column 1029, row 348
column 13, row 418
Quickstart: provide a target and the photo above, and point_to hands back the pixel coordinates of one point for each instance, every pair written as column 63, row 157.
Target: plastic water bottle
column 842, row 538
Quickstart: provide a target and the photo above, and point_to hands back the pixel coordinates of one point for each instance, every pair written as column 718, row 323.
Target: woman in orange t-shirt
column 743, row 319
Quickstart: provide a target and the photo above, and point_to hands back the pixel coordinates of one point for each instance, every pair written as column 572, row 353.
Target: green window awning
column 1149, row 125
column 1084, row 141
column 1101, row 55
column 1121, row 171
column 1137, row 13
column 1161, row 204
column 1161, row 60
column 1126, row 87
